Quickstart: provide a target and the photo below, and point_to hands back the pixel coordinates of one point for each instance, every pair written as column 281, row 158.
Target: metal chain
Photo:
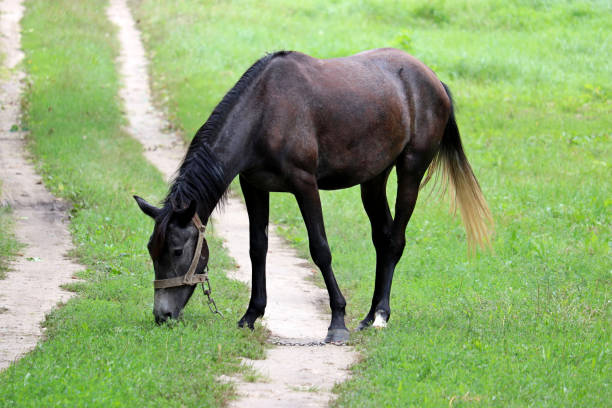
column 279, row 341
column 211, row 302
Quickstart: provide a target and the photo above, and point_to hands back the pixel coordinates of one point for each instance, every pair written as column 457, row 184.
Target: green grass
column 525, row 325
column 8, row 244
column 102, row 348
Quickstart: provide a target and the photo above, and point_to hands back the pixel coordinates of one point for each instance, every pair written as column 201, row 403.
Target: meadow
column 525, row 324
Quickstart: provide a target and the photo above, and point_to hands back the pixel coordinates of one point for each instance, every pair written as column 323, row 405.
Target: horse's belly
column 349, row 176
column 360, row 137
column 351, row 161
column 267, row 180
column 339, row 181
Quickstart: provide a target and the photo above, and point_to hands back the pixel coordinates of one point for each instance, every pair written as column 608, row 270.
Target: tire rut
column 33, row 286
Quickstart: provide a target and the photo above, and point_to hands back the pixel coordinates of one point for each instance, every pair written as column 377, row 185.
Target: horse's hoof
column 364, row 324
column 244, row 323
column 380, row 320
column 337, row 336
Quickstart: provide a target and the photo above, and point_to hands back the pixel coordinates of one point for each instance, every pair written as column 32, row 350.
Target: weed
column 253, row 376
column 8, row 244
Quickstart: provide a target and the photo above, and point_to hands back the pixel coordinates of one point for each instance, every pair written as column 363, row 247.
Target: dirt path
column 32, row 288
column 294, row 376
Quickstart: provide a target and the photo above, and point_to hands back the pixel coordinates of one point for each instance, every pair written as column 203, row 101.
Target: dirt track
column 294, row 376
column 32, row 287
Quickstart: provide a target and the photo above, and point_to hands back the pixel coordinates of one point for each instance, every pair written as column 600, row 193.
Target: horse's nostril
column 162, row 317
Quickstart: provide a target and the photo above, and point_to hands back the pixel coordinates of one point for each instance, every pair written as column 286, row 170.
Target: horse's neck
column 232, row 145
column 230, row 151
column 203, row 177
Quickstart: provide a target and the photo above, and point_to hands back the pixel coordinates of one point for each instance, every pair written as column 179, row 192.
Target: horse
column 294, row 123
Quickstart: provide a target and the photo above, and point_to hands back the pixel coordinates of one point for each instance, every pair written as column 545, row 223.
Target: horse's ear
column 147, row 208
column 184, row 215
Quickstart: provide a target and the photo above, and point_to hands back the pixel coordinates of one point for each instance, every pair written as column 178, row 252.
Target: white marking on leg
column 379, row 321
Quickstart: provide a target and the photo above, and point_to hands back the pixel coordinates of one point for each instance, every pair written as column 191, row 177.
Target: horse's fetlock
column 257, row 307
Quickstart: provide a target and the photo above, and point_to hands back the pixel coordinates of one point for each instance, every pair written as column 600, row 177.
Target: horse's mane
column 200, row 177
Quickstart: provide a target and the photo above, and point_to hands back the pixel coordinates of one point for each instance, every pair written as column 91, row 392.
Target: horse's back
column 371, row 71
column 350, row 117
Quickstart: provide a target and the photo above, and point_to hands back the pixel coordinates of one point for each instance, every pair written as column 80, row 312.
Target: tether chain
column 207, row 291
column 279, row 341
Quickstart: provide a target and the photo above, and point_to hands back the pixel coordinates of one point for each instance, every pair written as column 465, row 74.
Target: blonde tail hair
column 453, row 169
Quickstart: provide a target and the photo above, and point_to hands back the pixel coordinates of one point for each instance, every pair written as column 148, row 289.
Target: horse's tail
column 450, row 161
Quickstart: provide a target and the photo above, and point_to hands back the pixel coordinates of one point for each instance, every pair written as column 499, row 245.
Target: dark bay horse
column 298, row 124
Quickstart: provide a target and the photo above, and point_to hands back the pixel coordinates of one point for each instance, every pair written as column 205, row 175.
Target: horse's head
column 173, row 246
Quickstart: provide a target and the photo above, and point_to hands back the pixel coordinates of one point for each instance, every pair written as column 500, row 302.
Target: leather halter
column 190, row 278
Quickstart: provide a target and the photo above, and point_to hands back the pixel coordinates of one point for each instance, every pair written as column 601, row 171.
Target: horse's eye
column 178, row 252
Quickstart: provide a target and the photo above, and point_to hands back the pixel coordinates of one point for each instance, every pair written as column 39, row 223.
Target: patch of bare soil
column 32, row 287
column 291, row 376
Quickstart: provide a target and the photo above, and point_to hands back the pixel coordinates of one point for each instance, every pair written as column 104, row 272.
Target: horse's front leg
column 258, row 207
column 307, row 195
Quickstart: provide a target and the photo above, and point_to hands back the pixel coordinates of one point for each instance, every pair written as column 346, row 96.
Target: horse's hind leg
column 307, row 194
column 374, row 198
column 258, row 207
column 389, row 236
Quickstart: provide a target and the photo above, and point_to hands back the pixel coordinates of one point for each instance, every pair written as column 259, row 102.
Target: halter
column 190, row 278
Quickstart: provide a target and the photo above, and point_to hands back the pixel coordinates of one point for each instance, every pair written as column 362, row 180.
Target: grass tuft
column 9, row 246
